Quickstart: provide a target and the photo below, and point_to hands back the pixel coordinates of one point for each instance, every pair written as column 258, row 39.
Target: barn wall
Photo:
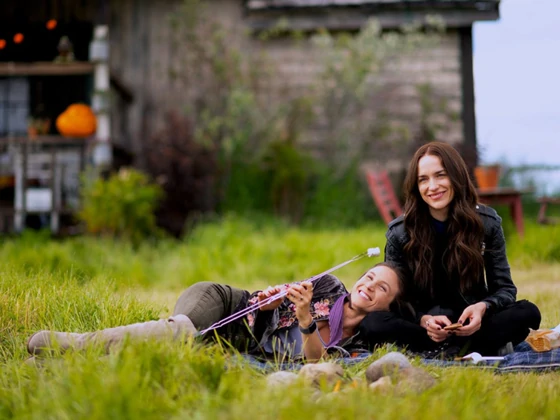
column 142, row 55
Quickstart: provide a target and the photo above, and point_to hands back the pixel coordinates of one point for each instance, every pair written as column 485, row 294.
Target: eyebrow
column 386, row 284
column 435, row 173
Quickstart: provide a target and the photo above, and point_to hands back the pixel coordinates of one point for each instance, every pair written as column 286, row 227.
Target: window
column 14, row 105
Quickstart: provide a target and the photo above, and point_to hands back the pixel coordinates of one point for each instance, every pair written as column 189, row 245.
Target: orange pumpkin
column 77, row 121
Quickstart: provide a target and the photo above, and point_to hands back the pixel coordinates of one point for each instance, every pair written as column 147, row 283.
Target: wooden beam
column 380, row 4
column 467, row 87
column 121, row 88
column 45, row 68
column 354, row 19
column 49, row 140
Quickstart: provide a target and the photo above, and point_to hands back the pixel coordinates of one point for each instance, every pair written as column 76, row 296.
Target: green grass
column 83, row 284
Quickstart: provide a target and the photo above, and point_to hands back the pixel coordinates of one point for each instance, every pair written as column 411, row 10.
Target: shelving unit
column 46, row 68
column 45, row 158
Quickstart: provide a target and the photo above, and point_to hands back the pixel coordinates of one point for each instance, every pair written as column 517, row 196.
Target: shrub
column 122, row 205
column 267, row 136
column 186, row 170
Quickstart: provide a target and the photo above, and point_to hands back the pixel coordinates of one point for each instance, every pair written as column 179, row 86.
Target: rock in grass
column 317, row 373
column 281, row 379
column 383, row 385
column 388, row 365
column 414, row 380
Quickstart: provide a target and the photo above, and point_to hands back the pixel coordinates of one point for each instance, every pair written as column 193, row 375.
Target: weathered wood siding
column 142, row 54
column 395, row 91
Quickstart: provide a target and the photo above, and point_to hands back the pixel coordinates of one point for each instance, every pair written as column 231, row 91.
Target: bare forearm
column 313, row 348
column 300, row 295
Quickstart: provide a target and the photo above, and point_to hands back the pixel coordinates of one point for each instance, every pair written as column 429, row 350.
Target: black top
column 446, row 295
column 495, row 286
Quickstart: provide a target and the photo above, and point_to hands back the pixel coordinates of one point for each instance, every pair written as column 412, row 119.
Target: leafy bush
column 122, row 205
column 187, row 171
column 263, row 137
column 339, row 200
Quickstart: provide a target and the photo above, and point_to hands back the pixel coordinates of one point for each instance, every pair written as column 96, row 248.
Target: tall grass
column 83, row 284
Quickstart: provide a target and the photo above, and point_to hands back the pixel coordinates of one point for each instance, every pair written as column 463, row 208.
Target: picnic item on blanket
column 544, row 340
column 477, row 358
column 453, row 327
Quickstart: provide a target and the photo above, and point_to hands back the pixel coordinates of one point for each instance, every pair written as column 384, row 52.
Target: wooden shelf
column 46, row 68
column 46, row 140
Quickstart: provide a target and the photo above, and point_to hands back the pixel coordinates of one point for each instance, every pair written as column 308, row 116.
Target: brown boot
column 173, row 328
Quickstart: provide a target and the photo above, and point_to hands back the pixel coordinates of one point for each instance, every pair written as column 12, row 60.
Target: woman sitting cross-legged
column 311, row 320
column 455, row 249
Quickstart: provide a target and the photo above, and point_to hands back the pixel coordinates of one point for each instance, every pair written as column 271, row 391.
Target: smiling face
column 376, row 290
column 435, row 186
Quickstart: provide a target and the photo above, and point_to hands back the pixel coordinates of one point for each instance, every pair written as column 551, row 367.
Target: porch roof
column 352, row 14
column 401, row 4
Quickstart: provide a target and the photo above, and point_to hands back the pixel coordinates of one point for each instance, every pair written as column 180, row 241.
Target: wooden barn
column 122, row 52
column 142, row 54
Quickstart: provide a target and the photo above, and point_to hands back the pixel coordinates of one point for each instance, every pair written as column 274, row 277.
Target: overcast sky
column 517, row 83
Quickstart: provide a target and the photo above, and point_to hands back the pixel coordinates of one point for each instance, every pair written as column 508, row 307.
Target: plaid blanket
column 523, row 359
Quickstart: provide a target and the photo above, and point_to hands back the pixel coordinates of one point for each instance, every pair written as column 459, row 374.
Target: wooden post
column 56, row 181
column 20, row 169
column 99, row 54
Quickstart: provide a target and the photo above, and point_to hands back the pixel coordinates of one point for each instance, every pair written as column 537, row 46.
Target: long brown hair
column 463, row 256
column 400, row 305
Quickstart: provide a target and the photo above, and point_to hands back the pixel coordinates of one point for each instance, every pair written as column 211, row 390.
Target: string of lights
column 19, row 37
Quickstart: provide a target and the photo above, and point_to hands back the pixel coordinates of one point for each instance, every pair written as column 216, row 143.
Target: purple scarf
column 335, row 320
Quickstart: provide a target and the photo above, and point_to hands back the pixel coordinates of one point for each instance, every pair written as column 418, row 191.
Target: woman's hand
column 434, row 327
column 474, row 314
column 265, row 294
column 300, row 295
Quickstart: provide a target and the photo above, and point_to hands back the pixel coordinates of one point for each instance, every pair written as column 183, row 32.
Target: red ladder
column 383, row 194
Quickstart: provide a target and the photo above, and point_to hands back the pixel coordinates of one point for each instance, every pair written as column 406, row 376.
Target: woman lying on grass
column 312, row 320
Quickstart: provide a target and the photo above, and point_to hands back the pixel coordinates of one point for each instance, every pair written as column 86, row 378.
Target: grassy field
column 83, row 284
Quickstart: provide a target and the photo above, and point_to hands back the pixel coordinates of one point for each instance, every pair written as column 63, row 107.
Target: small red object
column 51, row 24
column 18, row 38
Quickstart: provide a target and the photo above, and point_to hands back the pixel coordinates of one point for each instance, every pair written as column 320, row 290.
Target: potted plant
column 487, row 176
column 38, row 127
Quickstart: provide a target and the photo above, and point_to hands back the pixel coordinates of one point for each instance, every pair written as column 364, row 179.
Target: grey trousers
column 205, row 303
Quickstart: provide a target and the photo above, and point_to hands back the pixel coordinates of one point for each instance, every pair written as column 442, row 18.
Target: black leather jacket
column 498, row 290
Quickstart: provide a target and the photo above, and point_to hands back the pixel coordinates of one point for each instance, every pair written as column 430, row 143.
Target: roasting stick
column 371, row 252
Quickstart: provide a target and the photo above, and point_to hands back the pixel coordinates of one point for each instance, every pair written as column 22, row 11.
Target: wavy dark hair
column 400, row 305
column 463, row 256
